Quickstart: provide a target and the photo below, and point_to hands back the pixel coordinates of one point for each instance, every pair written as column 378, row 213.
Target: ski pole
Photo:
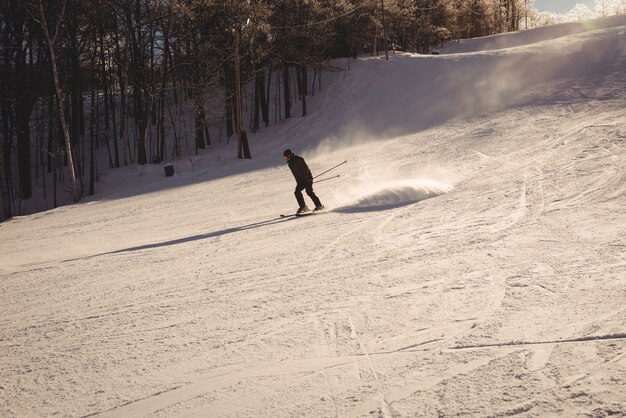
column 332, row 168
column 328, row 178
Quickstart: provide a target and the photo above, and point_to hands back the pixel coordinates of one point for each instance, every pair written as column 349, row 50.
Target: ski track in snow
column 474, row 268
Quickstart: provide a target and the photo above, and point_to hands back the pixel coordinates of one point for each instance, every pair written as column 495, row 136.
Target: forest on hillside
column 121, row 78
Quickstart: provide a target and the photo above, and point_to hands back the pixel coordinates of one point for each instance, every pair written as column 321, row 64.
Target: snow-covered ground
column 473, row 261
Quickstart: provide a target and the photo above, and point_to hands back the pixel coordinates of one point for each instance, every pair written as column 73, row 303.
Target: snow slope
column 525, row 37
column 473, row 263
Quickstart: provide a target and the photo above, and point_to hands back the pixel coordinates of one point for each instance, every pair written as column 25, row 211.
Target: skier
column 304, row 181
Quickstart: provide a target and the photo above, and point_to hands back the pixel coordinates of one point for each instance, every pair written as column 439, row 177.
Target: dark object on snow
column 169, row 170
column 436, row 52
column 304, row 179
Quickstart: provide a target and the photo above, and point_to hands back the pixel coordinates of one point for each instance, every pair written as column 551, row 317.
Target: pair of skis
column 298, row 215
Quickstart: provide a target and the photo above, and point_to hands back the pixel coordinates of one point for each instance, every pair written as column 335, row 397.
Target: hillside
column 525, row 37
column 471, row 262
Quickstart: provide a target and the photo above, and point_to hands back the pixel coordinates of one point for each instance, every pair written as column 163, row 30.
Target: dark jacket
column 299, row 169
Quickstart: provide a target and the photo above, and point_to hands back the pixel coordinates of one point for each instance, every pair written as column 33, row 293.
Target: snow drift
column 396, row 193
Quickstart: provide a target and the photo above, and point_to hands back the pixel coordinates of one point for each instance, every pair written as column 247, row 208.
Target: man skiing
column 304, row 181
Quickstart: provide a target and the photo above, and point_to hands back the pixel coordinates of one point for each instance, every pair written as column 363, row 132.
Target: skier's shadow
column 191, row 238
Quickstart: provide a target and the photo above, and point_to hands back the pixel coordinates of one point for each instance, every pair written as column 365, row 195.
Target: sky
column 560, row 6
column 470, row 261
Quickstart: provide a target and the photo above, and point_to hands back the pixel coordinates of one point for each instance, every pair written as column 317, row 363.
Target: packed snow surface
column 471, row 261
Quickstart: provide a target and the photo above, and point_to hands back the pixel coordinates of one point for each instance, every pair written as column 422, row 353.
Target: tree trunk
column 229, row 86
column 164, row 78
column 199, row 116
column 286, row 92
column 124, row 118
column 109, row 102
column 143, row 133
column 55, row 178
column 4, row 177
column 118, row 55
column 76, row 114
column 161, row 126
column 304, row 87
column 6, row 199
column 262, row 98
column 242, row 138
column 24, row 93
column 265, row 109
column 139, row 79
column 205, row 124
column 258, row 89
column 244, row 145
column 66, row 132
column 92, row 143
column 22, row 116
column 60, row 99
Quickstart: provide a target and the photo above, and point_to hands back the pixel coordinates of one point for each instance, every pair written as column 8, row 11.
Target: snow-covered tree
column 579, row 13
column 602, row 8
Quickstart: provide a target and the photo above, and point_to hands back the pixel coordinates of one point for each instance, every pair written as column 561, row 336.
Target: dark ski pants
column 308, row 187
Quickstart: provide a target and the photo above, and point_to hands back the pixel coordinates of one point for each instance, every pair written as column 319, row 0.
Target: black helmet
column 287, row 153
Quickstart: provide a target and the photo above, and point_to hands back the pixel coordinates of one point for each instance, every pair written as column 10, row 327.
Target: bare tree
column 40, row 16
